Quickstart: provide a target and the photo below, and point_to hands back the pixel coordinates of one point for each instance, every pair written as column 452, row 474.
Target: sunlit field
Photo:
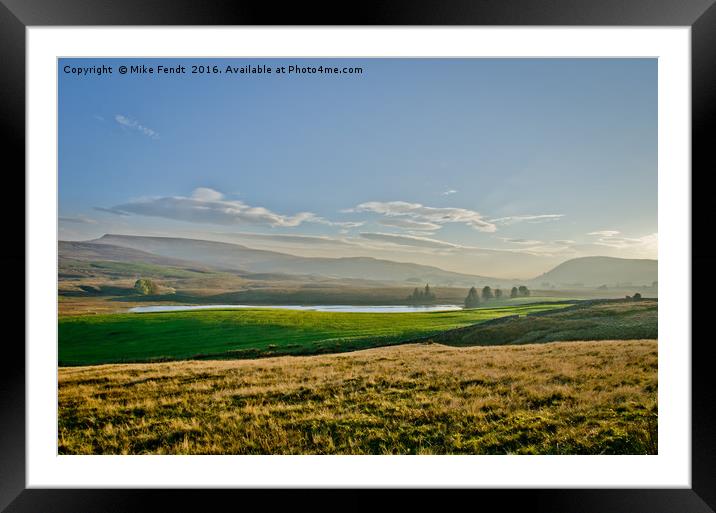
column 554, row 398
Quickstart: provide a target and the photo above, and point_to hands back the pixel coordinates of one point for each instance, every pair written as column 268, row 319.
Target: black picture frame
column 17, row 15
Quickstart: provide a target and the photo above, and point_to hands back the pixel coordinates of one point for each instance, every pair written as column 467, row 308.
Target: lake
column 316, row 308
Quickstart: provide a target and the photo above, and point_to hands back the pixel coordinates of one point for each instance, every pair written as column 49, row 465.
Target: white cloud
column 449, row 192
column 524, row 242
column 650, row 241
column 645, row 246
column 206, row 194
column 423, row 214
column 208, row 206
column 133, row 124
column 540, row 247
column 549, row 249
column 309, row 240
column 528, row 218
column 409, row 240
column 342, row 224
column 111, row 211
column 409, row 224
column 77, row 220
column 605, row 233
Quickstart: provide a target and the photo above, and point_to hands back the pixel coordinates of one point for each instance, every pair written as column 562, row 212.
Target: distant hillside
column 88, row 251
column 606, row 319
column 234, row 257
column 598, row 271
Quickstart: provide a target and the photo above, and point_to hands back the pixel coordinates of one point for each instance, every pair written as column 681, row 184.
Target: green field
column 585, row 320
column 115, row 338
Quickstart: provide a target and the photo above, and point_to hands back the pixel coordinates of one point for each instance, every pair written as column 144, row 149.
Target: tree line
column 420, row 297
column 474, row 298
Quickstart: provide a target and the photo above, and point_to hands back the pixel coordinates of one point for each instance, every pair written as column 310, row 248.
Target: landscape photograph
column 387, row 256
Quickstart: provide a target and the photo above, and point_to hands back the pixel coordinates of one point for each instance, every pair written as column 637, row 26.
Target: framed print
column 426, row 250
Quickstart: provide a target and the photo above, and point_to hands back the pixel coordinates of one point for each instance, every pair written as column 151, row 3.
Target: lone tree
column 146, row 287
column 498, row 293
column 473, row 299
column 486, row 292
column 524, row 291
column 514, row 292
column 636, row 296
column 429, row 295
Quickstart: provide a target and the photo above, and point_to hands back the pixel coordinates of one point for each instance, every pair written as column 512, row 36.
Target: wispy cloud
column 111, row 211
column 449, row 192
column 341, row 224
column 527, row 218
column 77, row 220
column 207, row 205
column 605, row 233
column 423, row 214
column 133, row 124
column 552, row 248
column 540, row 247
column 409, row 224
column 409, row 240
column 523, row 242
column 309, row 240
column 611, row 238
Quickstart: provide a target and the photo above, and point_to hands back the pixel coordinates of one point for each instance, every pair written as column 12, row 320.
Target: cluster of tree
column 419, row 297
column 146, row 287
column 635, row 297
column 473, row 296
column 520, row 291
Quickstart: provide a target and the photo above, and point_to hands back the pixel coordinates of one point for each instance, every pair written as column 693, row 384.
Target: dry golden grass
column 555, row 398
column 67, row 306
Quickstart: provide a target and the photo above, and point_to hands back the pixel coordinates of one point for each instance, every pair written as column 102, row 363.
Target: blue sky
column 493, row 166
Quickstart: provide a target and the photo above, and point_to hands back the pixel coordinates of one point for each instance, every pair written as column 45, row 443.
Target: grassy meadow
column 247, row 333
column 554, row 398
column 586, row 320
column 562, row 377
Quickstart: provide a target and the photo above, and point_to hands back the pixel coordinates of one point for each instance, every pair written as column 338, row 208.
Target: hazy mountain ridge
column 89, row 251
column 236, row 257
column 193, row 253
column 601, row 271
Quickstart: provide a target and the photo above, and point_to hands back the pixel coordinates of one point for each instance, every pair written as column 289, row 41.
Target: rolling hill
column 597, row 271
column 88, row 251
column 605, row 319
column 235, row 257
column 206, row 256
